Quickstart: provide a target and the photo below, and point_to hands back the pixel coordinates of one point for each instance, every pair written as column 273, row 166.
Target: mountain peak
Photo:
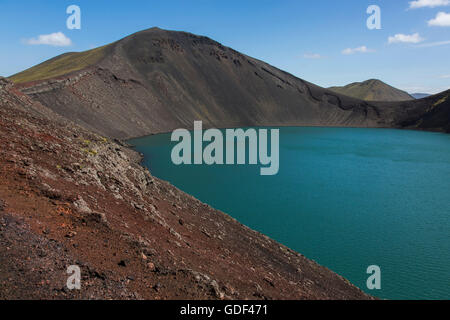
column 373, row 81
column 146, row 42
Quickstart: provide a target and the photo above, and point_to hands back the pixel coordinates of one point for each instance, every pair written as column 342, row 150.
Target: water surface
column 344, row 197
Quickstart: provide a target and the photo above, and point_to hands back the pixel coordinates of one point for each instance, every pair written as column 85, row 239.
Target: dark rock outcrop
column 5, row 83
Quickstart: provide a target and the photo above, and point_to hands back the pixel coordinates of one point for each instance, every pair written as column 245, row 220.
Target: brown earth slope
column 71, row 197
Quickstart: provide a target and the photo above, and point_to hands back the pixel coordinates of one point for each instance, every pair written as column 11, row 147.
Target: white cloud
column 428, row 3
column 442, row 20
column 422, row 89
column 445, row 76
column 312, row 56
column 57, row 39
column 362, row 49
column 405, row 38
column 434, row 44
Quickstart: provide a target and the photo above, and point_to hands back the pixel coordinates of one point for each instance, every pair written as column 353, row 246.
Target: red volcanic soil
column 71, row 197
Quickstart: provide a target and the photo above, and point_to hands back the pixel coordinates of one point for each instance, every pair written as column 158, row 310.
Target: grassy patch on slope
column 63, row 64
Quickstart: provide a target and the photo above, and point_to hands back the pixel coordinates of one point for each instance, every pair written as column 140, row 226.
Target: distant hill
column 420, row 95
column 373, row 90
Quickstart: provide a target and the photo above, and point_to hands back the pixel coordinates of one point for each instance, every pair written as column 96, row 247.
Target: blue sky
column 306, row 38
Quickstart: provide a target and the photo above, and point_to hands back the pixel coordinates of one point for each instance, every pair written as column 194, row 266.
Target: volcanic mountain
column 156, row 80
column 73, row 193
column 373, row 90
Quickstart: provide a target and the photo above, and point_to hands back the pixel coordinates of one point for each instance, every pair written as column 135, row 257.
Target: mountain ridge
column 156, row 80
column 180, row 77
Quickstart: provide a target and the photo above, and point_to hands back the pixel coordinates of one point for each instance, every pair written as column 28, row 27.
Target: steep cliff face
column 71, row 197
column 157, row 80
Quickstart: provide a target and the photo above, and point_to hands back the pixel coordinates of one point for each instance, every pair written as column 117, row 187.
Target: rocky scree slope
column 72, row 197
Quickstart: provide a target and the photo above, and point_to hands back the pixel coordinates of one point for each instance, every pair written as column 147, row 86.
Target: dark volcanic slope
column 156, row 80
column 373, row 90
column 430, row 113
column 69, row 196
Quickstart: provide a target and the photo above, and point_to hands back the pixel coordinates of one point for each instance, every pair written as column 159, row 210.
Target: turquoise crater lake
column 347, row 198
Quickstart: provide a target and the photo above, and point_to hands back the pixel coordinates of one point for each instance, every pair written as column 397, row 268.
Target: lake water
column 346, row 198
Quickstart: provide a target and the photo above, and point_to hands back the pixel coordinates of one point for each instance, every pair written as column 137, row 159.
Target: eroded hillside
column 72, row 197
